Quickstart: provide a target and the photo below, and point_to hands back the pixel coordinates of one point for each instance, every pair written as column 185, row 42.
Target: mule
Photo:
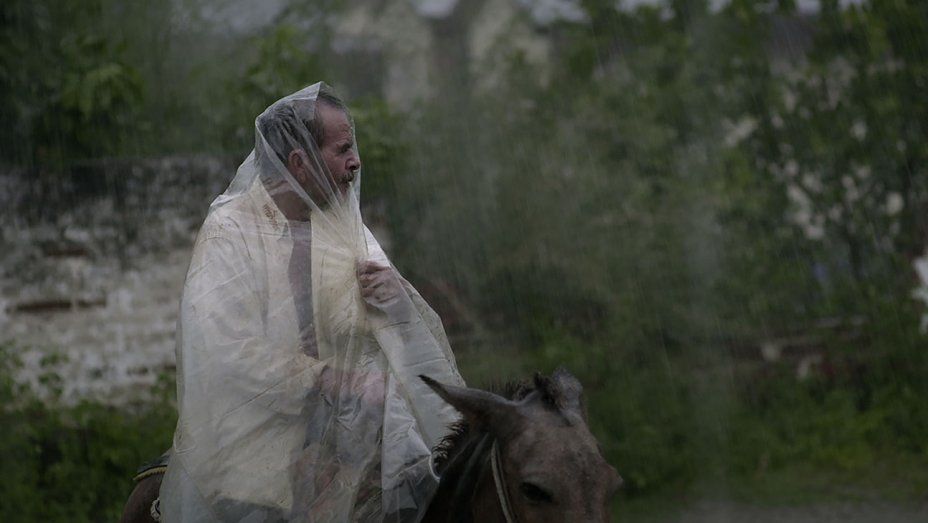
column 525, row 455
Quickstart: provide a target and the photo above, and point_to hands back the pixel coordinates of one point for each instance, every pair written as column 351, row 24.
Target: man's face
column 339, row 156
column 338, row 149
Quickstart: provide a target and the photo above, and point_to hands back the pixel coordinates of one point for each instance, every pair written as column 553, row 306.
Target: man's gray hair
column 285, row 126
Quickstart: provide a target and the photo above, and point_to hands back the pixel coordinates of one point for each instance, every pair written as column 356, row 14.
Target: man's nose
column 354, row 163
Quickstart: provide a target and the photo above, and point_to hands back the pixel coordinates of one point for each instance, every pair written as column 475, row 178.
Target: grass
column 892, row 479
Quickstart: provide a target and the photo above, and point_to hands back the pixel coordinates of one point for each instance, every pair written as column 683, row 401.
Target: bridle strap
column 502, row 494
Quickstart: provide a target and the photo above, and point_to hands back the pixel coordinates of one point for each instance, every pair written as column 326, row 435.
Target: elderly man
column 299, row 344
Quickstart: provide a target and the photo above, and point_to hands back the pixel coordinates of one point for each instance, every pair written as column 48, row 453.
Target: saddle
column 156, row 466
column 143, row 504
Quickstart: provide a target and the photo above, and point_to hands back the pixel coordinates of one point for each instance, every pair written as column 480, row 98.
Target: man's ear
column 298, row 165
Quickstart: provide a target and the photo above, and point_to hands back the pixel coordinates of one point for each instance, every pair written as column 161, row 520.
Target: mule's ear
column 569, row 392
column 482, row 410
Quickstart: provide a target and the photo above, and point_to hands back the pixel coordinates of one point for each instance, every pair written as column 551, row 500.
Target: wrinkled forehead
column 336, row 122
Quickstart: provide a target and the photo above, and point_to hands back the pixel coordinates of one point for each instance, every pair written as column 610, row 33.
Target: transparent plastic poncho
column 298, row 400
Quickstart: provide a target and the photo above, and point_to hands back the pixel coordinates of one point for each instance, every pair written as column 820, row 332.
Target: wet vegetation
column 713, row 218
column 70, row 462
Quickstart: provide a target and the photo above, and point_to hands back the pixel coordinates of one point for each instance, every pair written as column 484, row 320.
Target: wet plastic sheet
column 299, row 398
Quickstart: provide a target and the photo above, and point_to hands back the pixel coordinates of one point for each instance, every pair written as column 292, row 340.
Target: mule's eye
column 535, row 494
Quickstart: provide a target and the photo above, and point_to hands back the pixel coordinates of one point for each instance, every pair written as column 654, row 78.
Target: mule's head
column 552, row 465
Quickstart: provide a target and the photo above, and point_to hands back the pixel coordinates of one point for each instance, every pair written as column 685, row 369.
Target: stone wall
column 92, row 267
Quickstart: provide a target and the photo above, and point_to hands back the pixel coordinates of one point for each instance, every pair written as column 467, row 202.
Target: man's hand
column 368, row 386
column 380, row 285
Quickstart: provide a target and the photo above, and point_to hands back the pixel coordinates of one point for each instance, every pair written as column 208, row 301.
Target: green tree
column 69, row 91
